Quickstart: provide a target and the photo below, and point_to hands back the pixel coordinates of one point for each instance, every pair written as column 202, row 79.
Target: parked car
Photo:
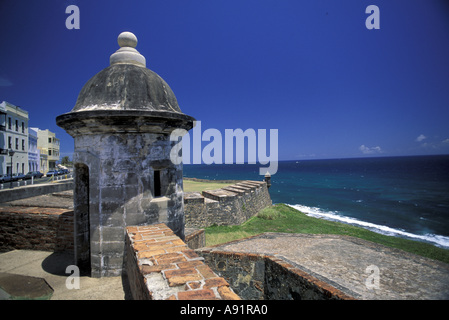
column 18, row 176
column 5, row 178
column 35, row 174
column 63, row 171
column 52, row 173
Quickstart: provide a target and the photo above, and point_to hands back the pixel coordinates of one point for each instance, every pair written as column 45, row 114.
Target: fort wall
column 35, row 228
column 230, row 205
column 30, row 224
column 52, row 229
column 267, row 277
column 160, row 266
column 28, row 191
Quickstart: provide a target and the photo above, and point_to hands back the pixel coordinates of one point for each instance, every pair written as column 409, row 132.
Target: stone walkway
column 22, row 268
column 62, row 200
column 352, row 265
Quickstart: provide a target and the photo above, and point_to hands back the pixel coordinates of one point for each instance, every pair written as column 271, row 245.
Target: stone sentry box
column 121, row 125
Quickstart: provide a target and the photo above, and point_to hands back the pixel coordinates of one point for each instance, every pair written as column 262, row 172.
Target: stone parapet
column 256, row 276
column 28, row 191
column 160, row 266
column 195, row 238
column 231, row 205
column 35, row 228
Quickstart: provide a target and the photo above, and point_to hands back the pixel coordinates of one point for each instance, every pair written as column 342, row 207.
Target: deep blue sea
column 400, row 196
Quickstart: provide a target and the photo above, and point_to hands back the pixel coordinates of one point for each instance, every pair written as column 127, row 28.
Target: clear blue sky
column 310, row 69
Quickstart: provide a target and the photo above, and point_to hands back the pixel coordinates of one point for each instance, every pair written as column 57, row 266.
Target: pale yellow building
column 48, row 145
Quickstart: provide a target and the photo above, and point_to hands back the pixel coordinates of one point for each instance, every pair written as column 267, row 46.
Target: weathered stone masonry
column 32, row 225
column 154, row 252
column 230, row 205
column 266, row 277
column 34, row 228
column 124, row 174
column 160, row 266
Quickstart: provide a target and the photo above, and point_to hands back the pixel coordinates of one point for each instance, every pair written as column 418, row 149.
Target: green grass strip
column 283, row 218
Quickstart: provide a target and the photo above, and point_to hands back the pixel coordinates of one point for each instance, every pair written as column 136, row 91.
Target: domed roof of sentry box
column 125, row 97
column 127, row 84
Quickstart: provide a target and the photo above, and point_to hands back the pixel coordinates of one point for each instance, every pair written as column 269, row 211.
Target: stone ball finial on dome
column 127, row 54
column 127, row 39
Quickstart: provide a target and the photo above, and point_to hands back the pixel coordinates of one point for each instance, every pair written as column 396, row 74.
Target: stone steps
column 224, row 193
column 230, row 205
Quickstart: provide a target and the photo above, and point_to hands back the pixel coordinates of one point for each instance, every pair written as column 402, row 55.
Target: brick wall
column 35, row 228
column 231, row 205
column 160, row 266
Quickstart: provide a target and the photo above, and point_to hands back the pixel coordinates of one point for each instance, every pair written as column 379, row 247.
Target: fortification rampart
column 30, row 223
column 46, row 222
column 160, row 266
column 25, row 191
column 35, row 228
column 266, row 277
column 230, row 205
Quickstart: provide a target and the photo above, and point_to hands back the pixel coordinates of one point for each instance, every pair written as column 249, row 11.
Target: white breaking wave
column 439, row 240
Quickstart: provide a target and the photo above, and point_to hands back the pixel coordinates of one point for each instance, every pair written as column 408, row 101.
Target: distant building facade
column 33, row 151
column 48, row 146
column 3, row 144
column 3, row 139
column 13, row 139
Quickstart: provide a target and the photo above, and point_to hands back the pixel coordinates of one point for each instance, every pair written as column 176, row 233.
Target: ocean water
column 399, row 196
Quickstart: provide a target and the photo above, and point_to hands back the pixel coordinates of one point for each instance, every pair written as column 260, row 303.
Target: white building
column 33, row 151
column 13, row 139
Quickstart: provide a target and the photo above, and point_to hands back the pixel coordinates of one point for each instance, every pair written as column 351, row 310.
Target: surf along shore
column 285, row 219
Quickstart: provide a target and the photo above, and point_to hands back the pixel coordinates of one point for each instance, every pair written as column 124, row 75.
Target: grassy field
column 198, row 186
column 282, row 218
